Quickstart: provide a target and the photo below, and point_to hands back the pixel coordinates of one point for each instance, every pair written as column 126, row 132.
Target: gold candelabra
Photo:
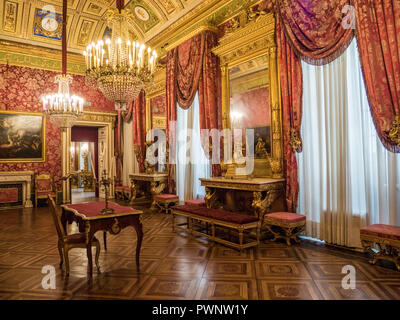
column 106, row 181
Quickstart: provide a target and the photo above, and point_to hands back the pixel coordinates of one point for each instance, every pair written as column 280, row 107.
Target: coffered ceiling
column 27, row 21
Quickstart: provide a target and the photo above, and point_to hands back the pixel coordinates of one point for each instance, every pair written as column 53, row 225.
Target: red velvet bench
column 216, row 217
column 164, row 201
column 386, row 238
column 196, row 202
column 285, row 225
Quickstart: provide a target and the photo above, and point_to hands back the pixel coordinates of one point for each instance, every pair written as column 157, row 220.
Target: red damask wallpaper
column 159, row 105
column 21, row 89
column 253, row 106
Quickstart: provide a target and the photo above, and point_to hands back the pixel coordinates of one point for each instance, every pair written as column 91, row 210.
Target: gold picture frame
column 251, row 37
column 16, row 140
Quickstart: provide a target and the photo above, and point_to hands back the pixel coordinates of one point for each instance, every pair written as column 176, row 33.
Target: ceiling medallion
column 119, row 67
column 141, row 13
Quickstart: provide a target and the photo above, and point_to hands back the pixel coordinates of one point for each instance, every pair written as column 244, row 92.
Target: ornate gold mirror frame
column 251, row 37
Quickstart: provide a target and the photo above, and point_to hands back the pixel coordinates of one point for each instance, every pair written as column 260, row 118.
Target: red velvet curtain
column 192, row 67
column 136, row 111
column 171, row 117
column 210, row 94
column 314, row 28
column 139, row 129
column 291, row 91
column 378, row 39
column 311, row 31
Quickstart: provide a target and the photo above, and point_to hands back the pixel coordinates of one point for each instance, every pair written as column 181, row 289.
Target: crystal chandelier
column 119, row 67
column 62, row 108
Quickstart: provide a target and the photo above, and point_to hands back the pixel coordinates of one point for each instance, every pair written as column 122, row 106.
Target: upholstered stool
column 386, row 238
column 285, row 225
column 122, row 192
column 165, row 201
column 196, row 202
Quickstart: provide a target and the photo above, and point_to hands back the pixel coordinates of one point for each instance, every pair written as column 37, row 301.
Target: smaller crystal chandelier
column 119, row 67
column 62, row 108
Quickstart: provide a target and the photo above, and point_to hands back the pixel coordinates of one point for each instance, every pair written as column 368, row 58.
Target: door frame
column 89, row 119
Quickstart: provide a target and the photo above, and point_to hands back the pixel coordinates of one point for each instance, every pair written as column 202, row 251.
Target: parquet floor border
column 176, row 266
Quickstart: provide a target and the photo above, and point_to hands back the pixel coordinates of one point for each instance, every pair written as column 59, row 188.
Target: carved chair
column 386, row 238
column 43, row 187
column 68, row 242
column 285, row 225
column 165, row 201
column 121, row 192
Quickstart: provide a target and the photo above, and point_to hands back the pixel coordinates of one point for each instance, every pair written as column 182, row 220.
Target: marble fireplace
column 15, row 189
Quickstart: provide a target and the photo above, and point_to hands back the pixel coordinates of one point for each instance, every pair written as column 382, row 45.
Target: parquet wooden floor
column 175, row 266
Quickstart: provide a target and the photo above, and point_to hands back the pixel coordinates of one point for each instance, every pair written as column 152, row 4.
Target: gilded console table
column 256, row 195
column 148, row 186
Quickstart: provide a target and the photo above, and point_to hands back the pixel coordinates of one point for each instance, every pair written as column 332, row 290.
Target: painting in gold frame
column 22, row 137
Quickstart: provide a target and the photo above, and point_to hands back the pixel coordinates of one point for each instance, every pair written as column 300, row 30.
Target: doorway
column 84, row 163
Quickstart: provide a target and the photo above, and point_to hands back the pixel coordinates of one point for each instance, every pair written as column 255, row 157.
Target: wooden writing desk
column 90, row 220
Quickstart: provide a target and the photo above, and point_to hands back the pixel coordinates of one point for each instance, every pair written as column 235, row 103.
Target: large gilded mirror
column 250, row 89
column 249, row 105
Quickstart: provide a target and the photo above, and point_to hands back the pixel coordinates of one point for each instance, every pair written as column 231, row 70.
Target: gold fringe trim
column 295, row 141
column 394, row 133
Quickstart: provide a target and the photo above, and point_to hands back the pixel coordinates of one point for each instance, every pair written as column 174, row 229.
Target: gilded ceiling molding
column 211, row 12
column 191, row 35
column 23, row 55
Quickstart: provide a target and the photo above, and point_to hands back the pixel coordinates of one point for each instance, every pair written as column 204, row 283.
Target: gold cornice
column 253, row 39
column 98, row 117
column 158, row 87
column 25, row 55
column 103, row 113
column 195, row 16
column 206, row 12
column 190, row 35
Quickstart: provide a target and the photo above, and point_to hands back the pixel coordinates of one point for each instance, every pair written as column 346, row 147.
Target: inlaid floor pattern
column 175, row 266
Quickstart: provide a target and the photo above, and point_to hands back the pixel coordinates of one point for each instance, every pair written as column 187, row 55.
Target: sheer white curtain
column 130, row 164
column 192, row 163
column 347, row 178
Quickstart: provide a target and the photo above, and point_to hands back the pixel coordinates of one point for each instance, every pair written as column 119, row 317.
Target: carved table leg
column 262, row 205
column 133, row 191
column 211, row 198
column 139, row 231
column 89, row 237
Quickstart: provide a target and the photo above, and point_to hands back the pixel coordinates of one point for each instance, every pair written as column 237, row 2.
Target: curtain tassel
column 295, row 140
column 394, row 133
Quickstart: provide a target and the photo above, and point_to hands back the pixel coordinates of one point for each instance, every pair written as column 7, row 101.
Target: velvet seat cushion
column 382, row 231
column 78, row 238
column 165, row 196
column 45, row 193
column 122, row 188
column 285, row 217
column 217, row 214
column 196, row 202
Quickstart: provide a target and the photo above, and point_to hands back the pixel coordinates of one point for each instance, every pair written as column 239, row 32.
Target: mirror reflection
column 249, row 101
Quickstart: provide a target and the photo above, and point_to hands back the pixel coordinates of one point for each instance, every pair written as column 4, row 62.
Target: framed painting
column 22, row 137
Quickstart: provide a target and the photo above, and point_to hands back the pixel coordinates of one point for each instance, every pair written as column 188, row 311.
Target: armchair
column 43, row 187
column 67, row 242
column 121, row 192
